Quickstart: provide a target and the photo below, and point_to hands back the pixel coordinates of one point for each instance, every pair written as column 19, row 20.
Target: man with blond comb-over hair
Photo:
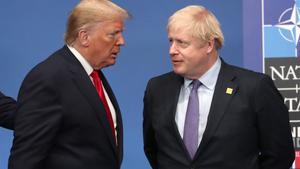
column 206, row 114
column 67, row 115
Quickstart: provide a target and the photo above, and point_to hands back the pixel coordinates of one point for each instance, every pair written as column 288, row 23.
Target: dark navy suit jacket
column 7, row 108
column 61, row 122
column 246, row 129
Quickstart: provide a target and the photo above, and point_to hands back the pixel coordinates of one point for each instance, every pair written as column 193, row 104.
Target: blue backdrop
column 31, row 30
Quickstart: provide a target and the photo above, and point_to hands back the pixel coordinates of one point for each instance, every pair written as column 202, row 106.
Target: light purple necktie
column 191, row 124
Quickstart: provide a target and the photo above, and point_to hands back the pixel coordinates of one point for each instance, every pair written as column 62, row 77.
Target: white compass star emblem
column 292, row 24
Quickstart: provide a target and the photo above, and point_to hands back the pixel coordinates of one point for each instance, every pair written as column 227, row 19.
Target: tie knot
column 196, row 84
column 94, row 74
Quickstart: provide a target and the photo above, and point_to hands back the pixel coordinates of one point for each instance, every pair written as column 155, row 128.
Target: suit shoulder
column 250, row 81
column 48, row 68
column 164, row 79
column 246, row 74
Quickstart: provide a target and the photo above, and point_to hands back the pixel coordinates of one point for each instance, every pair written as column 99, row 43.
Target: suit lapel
column 118, row 113
column 86, row 87
column 219, row 103
column 174, row 96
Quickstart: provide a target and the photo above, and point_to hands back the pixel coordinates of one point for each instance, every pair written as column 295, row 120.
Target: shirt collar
column 85, row 64
column 209, row 78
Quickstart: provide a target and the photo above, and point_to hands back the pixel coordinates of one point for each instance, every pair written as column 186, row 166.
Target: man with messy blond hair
column 207, row 114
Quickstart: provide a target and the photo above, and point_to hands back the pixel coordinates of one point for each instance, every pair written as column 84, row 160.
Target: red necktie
column 98, row 84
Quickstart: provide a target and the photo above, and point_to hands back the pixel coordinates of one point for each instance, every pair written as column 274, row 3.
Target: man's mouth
column 176, row 61
column 114, row 54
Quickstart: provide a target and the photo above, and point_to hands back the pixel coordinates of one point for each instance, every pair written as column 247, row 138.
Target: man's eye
column 179, row 43
column 113, row 34
column 182, row 44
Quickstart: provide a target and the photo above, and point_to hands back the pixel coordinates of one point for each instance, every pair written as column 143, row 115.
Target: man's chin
column 111, row 63
column 178, row 71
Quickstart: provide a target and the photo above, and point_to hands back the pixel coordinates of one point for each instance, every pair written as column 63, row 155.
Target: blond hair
column 200, row 22
column 90, row 12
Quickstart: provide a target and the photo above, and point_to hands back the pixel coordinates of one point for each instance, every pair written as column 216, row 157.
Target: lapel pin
column 229, row 90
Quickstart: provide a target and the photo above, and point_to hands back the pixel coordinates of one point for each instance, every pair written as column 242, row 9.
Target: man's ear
column 211, row 45
column 83, row 38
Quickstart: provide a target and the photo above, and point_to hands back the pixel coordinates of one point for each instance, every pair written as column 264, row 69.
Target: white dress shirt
column 89, row 69
column 205, row 94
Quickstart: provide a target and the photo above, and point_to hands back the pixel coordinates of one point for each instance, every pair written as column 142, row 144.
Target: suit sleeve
column 7, row 109
column 37, row 121
column 275, row 138
column 150, row 147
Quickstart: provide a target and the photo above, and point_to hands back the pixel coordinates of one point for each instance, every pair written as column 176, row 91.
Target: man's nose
column 121, row 40
column 173, row 49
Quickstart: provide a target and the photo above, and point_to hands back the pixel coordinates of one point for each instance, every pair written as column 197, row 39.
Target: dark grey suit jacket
column 7, row 108
column 61, row 122
column 248, row 129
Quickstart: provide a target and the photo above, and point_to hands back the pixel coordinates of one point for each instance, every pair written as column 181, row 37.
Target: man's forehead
column 112, row 25
column 116, row 23
column 179, row 33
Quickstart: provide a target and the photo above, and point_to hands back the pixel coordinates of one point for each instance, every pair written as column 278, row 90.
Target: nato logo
column 281, row 29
